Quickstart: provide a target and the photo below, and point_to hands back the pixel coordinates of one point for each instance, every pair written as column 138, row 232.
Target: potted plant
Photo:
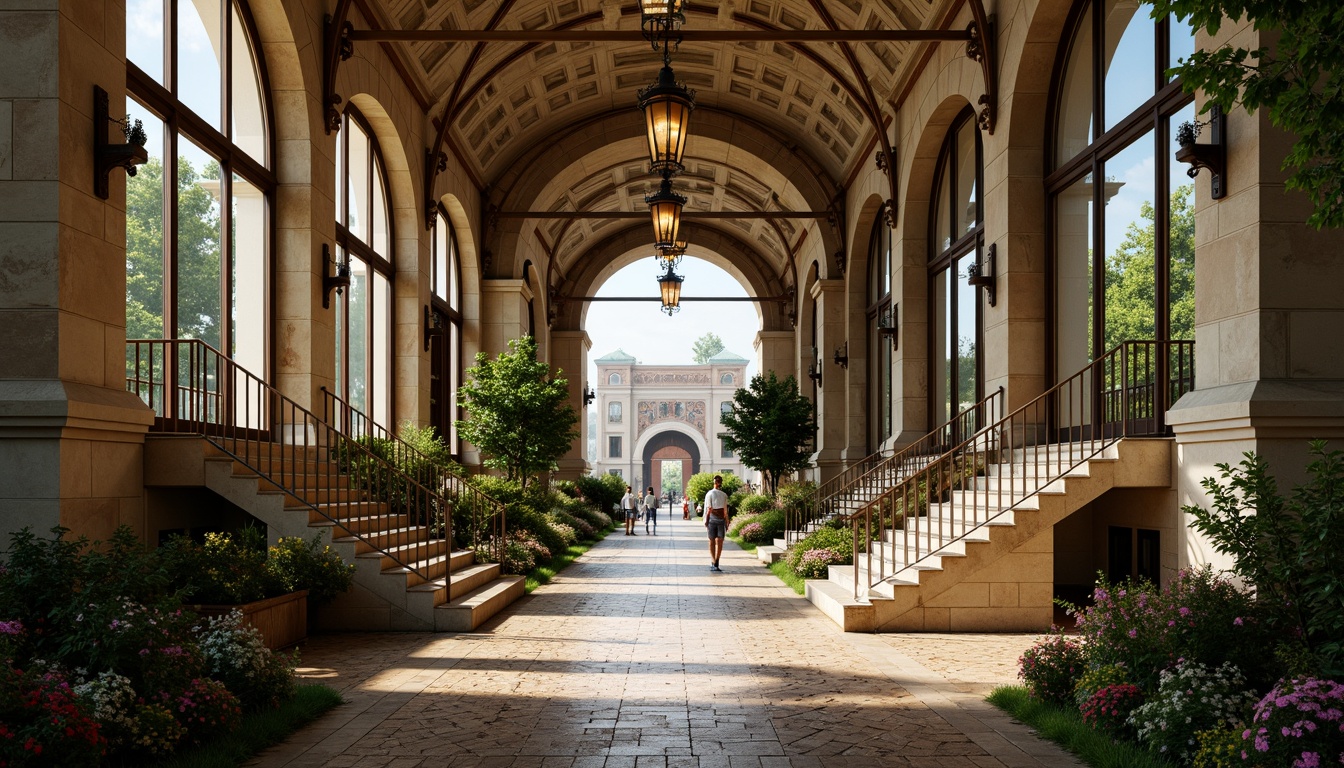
column 271, row 586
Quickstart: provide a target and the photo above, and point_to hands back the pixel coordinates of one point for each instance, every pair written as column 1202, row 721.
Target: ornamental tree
column 518, row 412
column 706, row 347
column 1299, row 80
column 770, row 427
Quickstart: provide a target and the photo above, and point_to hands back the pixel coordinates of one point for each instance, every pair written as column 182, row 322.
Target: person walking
column 685, row 508
column 630, row 506
column 650, row 511
column 716, row 521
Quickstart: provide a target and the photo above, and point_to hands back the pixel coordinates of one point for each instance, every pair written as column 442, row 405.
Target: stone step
column 838, row 603
column 769, row 554
column 476, row 607
column 465, row 580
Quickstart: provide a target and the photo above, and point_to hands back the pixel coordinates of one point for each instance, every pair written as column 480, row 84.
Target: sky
column 642, row 329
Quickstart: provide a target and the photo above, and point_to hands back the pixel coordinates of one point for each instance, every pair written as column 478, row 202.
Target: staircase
column 963, row 541
column 219, row 427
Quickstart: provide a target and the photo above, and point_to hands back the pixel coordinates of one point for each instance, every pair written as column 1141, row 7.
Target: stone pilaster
column 832, row 435
column 569, row 353
column 71, row 436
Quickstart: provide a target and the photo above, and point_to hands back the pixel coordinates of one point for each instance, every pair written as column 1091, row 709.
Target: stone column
column 71, row 436
column 1269, row 325
column 831, row 425
column 569, row 353
column 774, row 352
column 503, row 313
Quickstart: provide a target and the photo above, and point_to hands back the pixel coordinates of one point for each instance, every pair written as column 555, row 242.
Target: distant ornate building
column 650, row 414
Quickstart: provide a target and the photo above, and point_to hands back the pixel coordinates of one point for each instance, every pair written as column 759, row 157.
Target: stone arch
column 411, row 278
column 670, row 433
column 732, row 139
column 468, row 266
column 1015, row 330
column 722, row 249
column 303, row 334
column 856, row 305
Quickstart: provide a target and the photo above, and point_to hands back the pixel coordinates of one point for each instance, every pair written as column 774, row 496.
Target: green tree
column 518, row 412
column 198, row 294
column 770, row 427
column 1130, row 274
column 1299, row 80
column 706, row 347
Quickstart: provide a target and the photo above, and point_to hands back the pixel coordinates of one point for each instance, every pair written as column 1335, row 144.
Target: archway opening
column 669, row 446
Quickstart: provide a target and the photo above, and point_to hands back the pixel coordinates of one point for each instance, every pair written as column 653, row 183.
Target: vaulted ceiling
column 494, row 104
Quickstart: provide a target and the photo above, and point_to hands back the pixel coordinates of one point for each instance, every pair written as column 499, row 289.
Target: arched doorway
column 669, row 446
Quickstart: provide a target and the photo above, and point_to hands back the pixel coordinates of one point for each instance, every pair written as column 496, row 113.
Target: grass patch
column 1066, row 728
column 543, row 574
column 781, row 569
column 258, row 731
column 746, row 546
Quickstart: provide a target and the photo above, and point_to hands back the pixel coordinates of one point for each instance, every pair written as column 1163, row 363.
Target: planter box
column 282, row 621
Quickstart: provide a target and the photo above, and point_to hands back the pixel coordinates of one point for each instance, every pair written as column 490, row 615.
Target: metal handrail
column 1124, row 393
column 870, row 477
column 488, row 512
column 194, row 388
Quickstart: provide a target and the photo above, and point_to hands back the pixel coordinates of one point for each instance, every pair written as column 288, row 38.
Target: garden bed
column 282, row 621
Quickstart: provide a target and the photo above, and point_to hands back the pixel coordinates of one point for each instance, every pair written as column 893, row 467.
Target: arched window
column 725, row 408
column 445, row 364
column 614, row 378
column 198, row 214
column 614, row 412
column 880, row 317
column 957, row 230
column 726, row 378
column 364, row 237
column 1122, row 212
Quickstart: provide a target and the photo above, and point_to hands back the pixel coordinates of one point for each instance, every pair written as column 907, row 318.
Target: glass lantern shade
column 670, row 286
column 671, row 256
column 665, row 210
column 667, row 107
column 666, row 13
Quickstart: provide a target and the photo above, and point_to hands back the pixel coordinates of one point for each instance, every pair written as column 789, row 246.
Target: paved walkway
column 639, row 656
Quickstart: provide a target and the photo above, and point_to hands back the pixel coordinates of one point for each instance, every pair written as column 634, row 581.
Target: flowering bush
column 111, row 701
column 1300, row 720
column 1096, row 678
column 815, row 562
column 1218, row 748
column 157, row 731
column 1109, row 708
column 753, row 533
column 310, row 565
column 740, row 522
column 205, row 708
column 237, row 656
column 566, row 532
column 1051, row 668
column 43, row 723
column 1191, row 698
column 1197, row 616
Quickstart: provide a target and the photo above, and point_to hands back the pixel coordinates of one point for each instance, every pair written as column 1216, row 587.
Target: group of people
column 715, row 510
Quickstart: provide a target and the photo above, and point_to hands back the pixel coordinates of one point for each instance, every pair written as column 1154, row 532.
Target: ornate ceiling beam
column 568, row 215
column 635, row 35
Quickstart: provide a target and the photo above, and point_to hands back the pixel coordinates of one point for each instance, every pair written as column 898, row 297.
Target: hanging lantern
column 667, row 107
column 665, row 209
column 670, row 285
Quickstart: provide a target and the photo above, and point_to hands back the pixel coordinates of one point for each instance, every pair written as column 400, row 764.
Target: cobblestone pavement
column 639, row 656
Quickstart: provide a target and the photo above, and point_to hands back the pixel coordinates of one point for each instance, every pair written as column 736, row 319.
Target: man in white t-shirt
column 716, row 521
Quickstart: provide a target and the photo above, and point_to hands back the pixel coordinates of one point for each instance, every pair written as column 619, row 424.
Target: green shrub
column 797, row 495
column 772, row 524
column 604, row 492
column 815, row 564
column 838, row 541
column 1051, row 668
column 312, row 566
column 1288, row 548
column 225, row 569
column 754, row 504
column 581, row 527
